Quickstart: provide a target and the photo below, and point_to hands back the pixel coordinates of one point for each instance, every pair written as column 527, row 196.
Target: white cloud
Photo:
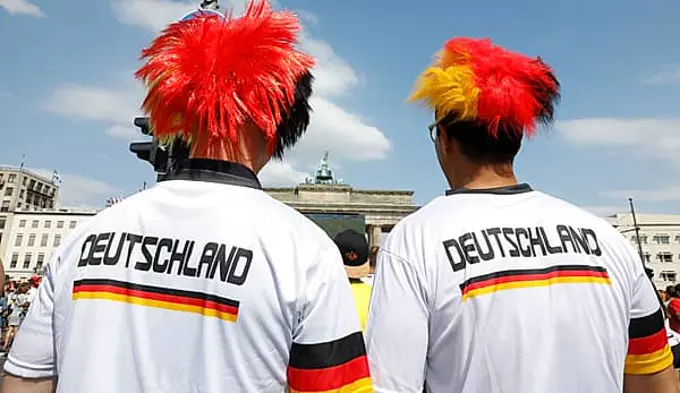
column 662, row 194
column 21, row 7
column 81, row 191
column 346, row 135
column 657, row 138
column 151, row 14
column 334, row 76
column 307, row 16
column 647, row 138
column 94, row 103
column 120, row 131
column 604, row 210
column 118, row 108
column 666, row 75
column 278, row 173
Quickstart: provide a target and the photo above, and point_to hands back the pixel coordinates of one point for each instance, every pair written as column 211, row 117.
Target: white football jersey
column 510, row 290
column 202, row 283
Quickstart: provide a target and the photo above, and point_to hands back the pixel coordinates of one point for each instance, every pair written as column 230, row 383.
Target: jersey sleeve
column 648, row 349
column 328, row 351
column 32, row 354
column 398, row 326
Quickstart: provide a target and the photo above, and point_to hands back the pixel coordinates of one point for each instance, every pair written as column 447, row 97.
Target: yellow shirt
column 362, row 296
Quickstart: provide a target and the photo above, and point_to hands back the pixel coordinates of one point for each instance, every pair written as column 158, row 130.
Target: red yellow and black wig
column 208, row 75
column 473, row 81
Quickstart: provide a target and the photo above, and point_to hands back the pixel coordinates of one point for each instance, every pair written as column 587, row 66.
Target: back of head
column 487, row 98
column 353, row 248
column 232, row 89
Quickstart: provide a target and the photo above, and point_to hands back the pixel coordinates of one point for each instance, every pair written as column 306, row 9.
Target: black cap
column 353, row 247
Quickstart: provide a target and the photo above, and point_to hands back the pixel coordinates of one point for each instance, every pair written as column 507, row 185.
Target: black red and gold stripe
column 338, row 366
column 514, row 279
column 648, row 349
column 151, row 296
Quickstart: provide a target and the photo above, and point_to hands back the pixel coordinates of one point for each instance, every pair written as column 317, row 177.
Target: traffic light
column 143, row 124
column 149, row 151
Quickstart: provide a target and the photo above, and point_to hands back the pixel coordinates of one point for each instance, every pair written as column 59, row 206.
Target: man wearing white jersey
column 203, row 283
column 496, row 287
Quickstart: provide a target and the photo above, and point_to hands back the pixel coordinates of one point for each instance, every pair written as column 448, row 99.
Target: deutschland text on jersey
column 202, row 283
column 510, row 290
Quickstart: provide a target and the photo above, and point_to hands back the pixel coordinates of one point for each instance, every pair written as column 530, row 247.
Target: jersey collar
column 509, row 190
column 225, row 172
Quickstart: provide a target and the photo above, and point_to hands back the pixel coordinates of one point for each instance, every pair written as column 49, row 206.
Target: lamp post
column 637, row 230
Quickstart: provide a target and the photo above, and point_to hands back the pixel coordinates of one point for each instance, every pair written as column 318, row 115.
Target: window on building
column 13, row 262
column 41, row 260
column 19, row 239
column 3, row 222
column 31, row 184
column 31, row 240
column 57, row 241
column 662, row 239
column 72, row 224
column 5, row 206
column 22, row 223
column 677, row 238
column 648, row 257
column 9, row 191
column 669, row 276
column 43, row 240
column 664, row 257
column 23, row 180
column 48, row 224
column 60, row 224
column 29, row 199
column 34, row 224
column 22, row 193
column 27, row 260
column 11, row 178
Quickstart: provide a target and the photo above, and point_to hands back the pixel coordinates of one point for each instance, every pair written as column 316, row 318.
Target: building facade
column 21, row 188
column 35, row 234
column 659, row 241
column 381, row 209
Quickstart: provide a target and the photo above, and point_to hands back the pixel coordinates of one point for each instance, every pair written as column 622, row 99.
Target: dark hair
column 478, row 145
column 670, row 290
column 296, row 119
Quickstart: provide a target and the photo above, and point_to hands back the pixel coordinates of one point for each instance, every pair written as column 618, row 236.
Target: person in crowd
column 496, row 287
column 354, row 250
column 673, row 339
column 18, row 305
column 203, row 283
column 673, row 307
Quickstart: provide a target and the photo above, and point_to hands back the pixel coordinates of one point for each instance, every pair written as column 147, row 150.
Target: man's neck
column 488, row 176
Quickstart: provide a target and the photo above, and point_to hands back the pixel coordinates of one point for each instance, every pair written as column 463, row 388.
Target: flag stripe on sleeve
column 648, row 350
column 340, row 366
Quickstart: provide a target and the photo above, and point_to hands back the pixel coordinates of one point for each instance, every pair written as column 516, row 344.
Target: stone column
column 374, row 235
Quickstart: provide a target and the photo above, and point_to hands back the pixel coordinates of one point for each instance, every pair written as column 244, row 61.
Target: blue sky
column 67, row 95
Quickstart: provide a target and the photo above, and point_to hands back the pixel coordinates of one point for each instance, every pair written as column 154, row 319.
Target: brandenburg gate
column 381, row 209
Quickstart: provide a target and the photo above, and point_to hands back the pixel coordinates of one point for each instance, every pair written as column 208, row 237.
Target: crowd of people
column 15, row 300
column 206, row 284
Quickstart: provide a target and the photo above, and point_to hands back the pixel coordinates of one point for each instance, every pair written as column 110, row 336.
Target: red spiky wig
column 208, row 75
column 473, row 80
